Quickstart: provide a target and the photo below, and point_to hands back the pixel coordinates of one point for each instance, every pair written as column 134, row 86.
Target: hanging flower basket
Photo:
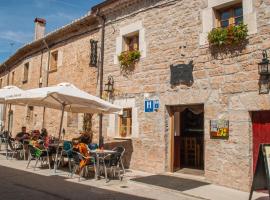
column 231, row 35
column 128, row 59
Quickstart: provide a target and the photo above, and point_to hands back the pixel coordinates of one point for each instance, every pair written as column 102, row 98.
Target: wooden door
column 261, row 132
column 177, row 140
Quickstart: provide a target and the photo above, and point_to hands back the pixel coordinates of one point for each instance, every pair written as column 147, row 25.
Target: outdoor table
column 99, row 154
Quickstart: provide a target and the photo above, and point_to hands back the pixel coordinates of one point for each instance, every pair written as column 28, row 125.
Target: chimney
column 39, row 28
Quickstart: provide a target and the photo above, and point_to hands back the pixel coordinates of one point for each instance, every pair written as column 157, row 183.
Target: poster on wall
column 219, row 129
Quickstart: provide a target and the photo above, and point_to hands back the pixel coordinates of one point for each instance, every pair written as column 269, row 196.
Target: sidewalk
column 187, row 190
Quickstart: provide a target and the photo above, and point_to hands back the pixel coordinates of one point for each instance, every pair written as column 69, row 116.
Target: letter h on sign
column 148, row 106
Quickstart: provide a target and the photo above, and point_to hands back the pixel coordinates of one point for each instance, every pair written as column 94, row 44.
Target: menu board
column 261, row 178
column 219, row 129
column 267, row 156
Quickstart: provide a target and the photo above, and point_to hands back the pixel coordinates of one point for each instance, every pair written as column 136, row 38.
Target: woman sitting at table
column 82, row 148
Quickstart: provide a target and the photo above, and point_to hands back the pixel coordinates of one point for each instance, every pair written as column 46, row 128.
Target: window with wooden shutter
column 53, row 61
column 125, row 123
column 25, row 72
column 131, row 42
column 13, row 78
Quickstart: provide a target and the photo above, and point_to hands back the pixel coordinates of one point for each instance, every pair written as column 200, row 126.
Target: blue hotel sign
column 151, row 105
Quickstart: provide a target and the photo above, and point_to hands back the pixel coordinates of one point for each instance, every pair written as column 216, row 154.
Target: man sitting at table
column 22, row 135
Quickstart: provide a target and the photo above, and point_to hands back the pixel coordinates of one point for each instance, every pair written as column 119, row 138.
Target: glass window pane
column 224, row 23
column 238, row 20
column 225, row 15
column 238, row 12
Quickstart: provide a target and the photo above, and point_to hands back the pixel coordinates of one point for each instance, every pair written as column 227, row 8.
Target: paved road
column 21, row 185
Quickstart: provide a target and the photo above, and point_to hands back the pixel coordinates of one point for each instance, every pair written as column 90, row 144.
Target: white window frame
column 113, row 129
column 208, row 16
column 127, row 30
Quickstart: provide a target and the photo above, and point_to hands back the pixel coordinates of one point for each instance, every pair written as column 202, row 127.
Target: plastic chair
column 66, row 153
column 13, row 148
column 121, row 150
column 38, row 155
column 114, row 162
column 77, row 158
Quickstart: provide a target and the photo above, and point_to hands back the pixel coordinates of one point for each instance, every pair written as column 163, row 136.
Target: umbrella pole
column 59, row 135
column 8, row 125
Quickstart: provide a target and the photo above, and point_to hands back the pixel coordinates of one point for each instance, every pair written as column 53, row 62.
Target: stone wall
column 225, row 82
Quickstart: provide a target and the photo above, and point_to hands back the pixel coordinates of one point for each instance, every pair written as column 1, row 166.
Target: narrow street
column 19, row 185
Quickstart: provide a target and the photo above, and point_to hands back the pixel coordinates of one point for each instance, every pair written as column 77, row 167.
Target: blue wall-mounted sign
column 151, row 105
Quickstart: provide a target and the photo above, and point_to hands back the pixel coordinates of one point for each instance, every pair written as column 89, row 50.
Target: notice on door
column 219, row 129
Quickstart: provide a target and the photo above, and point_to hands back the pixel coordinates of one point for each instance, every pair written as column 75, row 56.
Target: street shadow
column 171, row 182
column 127, row 144
column 18, row 184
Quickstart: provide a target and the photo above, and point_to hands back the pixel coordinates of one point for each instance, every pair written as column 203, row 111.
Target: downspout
column 103, row 20
column 47, row 78
column 4, row 114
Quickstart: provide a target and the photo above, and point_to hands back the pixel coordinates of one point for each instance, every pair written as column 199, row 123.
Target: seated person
column 45, row 136
column 21, row 136
column 83, row 138
column 81, row 147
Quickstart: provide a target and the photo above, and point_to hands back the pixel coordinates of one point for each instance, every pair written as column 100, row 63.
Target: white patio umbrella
column 64, row 97
column 9, row 91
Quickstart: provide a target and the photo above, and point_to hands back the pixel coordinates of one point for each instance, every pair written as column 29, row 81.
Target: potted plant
column 128, row 59
column 231, row 35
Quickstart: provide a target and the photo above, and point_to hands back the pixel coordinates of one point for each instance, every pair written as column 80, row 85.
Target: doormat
column 171, row 182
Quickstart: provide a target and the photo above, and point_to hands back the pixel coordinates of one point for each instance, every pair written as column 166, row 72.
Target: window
column 13, row 77
column 125, row 123
column 25, row 72
column 53, row 61
column 1, row 83
column 232, row 15
column 131, row 42
column 72, row 119
column 29, row 113
column 93, row 54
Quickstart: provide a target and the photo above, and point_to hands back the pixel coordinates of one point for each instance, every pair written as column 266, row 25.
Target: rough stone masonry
column 226, row 83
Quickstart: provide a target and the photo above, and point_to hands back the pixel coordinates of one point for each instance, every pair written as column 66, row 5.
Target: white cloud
column 16, row 36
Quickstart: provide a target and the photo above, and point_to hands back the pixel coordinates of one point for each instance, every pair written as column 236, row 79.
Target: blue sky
column 17, row 19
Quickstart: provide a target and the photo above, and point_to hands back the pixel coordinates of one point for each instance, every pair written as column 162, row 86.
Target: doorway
column 187, row 138
column 261, row 132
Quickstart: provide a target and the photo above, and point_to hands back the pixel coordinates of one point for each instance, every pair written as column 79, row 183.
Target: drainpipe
column 5, row 106
column 103, row 20
column 47, row 77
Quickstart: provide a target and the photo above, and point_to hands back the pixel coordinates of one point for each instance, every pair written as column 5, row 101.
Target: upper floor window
column 131, row 42
column 53, row 61
column 228, row 16
column 25, row 72
column 125, row 123
column 13, row 77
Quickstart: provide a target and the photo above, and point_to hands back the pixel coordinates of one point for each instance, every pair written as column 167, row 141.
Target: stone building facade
column 225, row 83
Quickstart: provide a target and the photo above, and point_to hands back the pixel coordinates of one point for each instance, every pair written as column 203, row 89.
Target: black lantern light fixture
column 264, row 65
column 109, row 85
